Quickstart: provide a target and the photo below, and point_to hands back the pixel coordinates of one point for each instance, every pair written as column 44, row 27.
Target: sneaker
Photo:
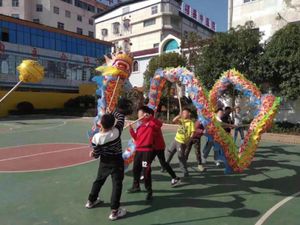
column 134, row 190
column 217, row 163
column 149, row 196
column 175, row 182
column 142, row 178
column 117, row 214
column 90, row 204
column 201, row 168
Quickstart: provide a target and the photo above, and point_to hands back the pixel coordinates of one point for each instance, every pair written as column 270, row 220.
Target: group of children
column 150, row 143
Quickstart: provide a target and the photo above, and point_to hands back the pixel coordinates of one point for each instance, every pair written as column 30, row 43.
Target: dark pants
column 142, row 162
column 116, row 170
column 238, row 130
column 162, row 160
column 180, row 149
column 197, row 145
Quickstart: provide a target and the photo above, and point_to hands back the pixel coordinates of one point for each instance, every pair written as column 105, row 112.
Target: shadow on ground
column 216, row 183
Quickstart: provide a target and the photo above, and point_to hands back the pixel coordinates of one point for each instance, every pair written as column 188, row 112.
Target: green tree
column 162, row 61
column 239, row 48
column 281, row 62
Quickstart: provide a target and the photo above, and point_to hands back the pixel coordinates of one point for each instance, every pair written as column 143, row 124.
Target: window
column 185, row 34
column 126, row 9
column 149, row 22
column 91, row 21
column 79, row 30
column 156, row 45
column 1, row 4
column 79, row 18
column 15, row 16
column 68, row 1
column 56, row 10
column 91, row 34
column 116, row 28
column 36, row 20
column 135, row 66
column 60, row 25
column 4, row 34
column 126, row 24
column 68, row 14
column 15, row 3
column 104, row 32
column 39, row 7
column 154, row 9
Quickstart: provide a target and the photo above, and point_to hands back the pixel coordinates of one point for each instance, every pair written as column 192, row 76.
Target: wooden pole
column 179, row 97
column 134, row 122
column 11, row 90
column 113, row 94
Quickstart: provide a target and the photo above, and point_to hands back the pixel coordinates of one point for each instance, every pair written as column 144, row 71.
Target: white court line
column 36, row 129
column 61, row 167
column 50, row 169
column 54, row 143
column 274, row 208
column 42, row 153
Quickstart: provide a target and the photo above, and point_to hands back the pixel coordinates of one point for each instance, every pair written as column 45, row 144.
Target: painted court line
column 62, row 123
column 274, row 208
column 50, row 169
column 43, row 153
column 54, row 143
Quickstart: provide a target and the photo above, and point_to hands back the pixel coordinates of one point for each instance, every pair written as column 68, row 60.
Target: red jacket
column 144, row 135
column 158, row 142
column 199, row 130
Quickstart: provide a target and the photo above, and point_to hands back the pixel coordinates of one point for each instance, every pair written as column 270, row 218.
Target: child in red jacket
column 159, row 150
column 143, row 139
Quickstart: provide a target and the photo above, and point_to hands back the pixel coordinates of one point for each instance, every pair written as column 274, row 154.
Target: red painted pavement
column 42, row 156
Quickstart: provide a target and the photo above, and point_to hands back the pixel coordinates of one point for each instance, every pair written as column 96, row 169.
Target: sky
column 216, row 10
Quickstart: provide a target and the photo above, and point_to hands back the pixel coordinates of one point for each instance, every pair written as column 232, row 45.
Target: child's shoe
column 117, row 214
column 175, row 181
column 90, row 204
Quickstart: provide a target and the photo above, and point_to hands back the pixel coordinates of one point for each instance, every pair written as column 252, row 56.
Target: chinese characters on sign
column 194, row 14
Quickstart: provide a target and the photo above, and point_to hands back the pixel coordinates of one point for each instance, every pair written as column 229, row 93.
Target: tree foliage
column 281, row 62
column 240, row 48
column 162, row 61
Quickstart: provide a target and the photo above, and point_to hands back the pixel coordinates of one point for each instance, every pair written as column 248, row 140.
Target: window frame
column 154, row 9
column 150, row 23
column 15, row 3
column 38, row 9
column 68, row 13
column 56, row 10
column 77, row 29
column 135, row 62
column 62, row 27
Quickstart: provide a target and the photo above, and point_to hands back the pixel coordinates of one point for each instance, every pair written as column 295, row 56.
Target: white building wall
column 23, row 10
column 268, row 15
column 137, row 78
column 27, row 11
column 167, row 21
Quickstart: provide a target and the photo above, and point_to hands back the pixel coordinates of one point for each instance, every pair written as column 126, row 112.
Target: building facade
column 70, row 15
column 267, row 15
column 68, row 58
column 149, row 28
